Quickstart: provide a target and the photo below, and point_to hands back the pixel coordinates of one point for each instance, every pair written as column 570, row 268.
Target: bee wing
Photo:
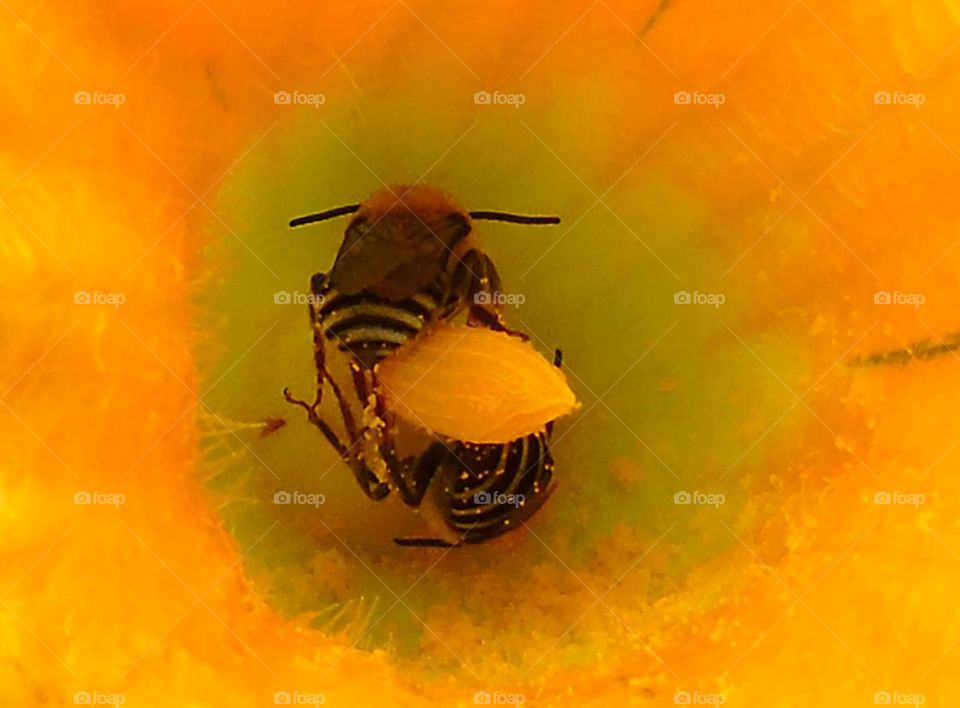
column 397, row 256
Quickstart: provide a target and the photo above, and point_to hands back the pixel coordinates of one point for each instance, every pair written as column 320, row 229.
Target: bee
column 407, row 260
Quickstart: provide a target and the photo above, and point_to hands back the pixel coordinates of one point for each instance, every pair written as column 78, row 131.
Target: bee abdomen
column 369, row 327
column 498, row 486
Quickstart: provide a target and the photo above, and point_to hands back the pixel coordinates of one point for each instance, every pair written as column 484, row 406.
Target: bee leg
column 315, row 419
column 482, row 279
column 369, row 482
column 418, row 474
column 317, row 288
column 319, row 360
column 480, row 316
column 371, row 485
column 318, row 282
column 475, row 284
column 386, row 448
column 484, row 316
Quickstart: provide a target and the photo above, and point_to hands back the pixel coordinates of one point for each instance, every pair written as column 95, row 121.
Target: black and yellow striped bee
column 408, row 259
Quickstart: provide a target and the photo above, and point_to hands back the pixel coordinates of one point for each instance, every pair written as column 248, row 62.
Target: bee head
column 402, row 239
column 409, row 202
column 399, row 242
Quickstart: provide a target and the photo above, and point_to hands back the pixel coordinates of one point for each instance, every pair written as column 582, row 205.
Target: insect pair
column 407, row 263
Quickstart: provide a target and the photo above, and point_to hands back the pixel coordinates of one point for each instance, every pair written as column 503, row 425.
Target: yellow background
column 798, row 199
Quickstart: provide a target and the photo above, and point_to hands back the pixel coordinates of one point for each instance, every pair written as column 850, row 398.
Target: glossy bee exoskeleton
column 407, row 259
column 483, row 491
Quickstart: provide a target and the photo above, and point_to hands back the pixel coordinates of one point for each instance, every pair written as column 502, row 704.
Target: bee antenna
column 513, row 218
column 324, row 215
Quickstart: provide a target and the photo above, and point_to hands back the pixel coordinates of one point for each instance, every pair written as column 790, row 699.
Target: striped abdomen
column 369, row 327
column 490, row 489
